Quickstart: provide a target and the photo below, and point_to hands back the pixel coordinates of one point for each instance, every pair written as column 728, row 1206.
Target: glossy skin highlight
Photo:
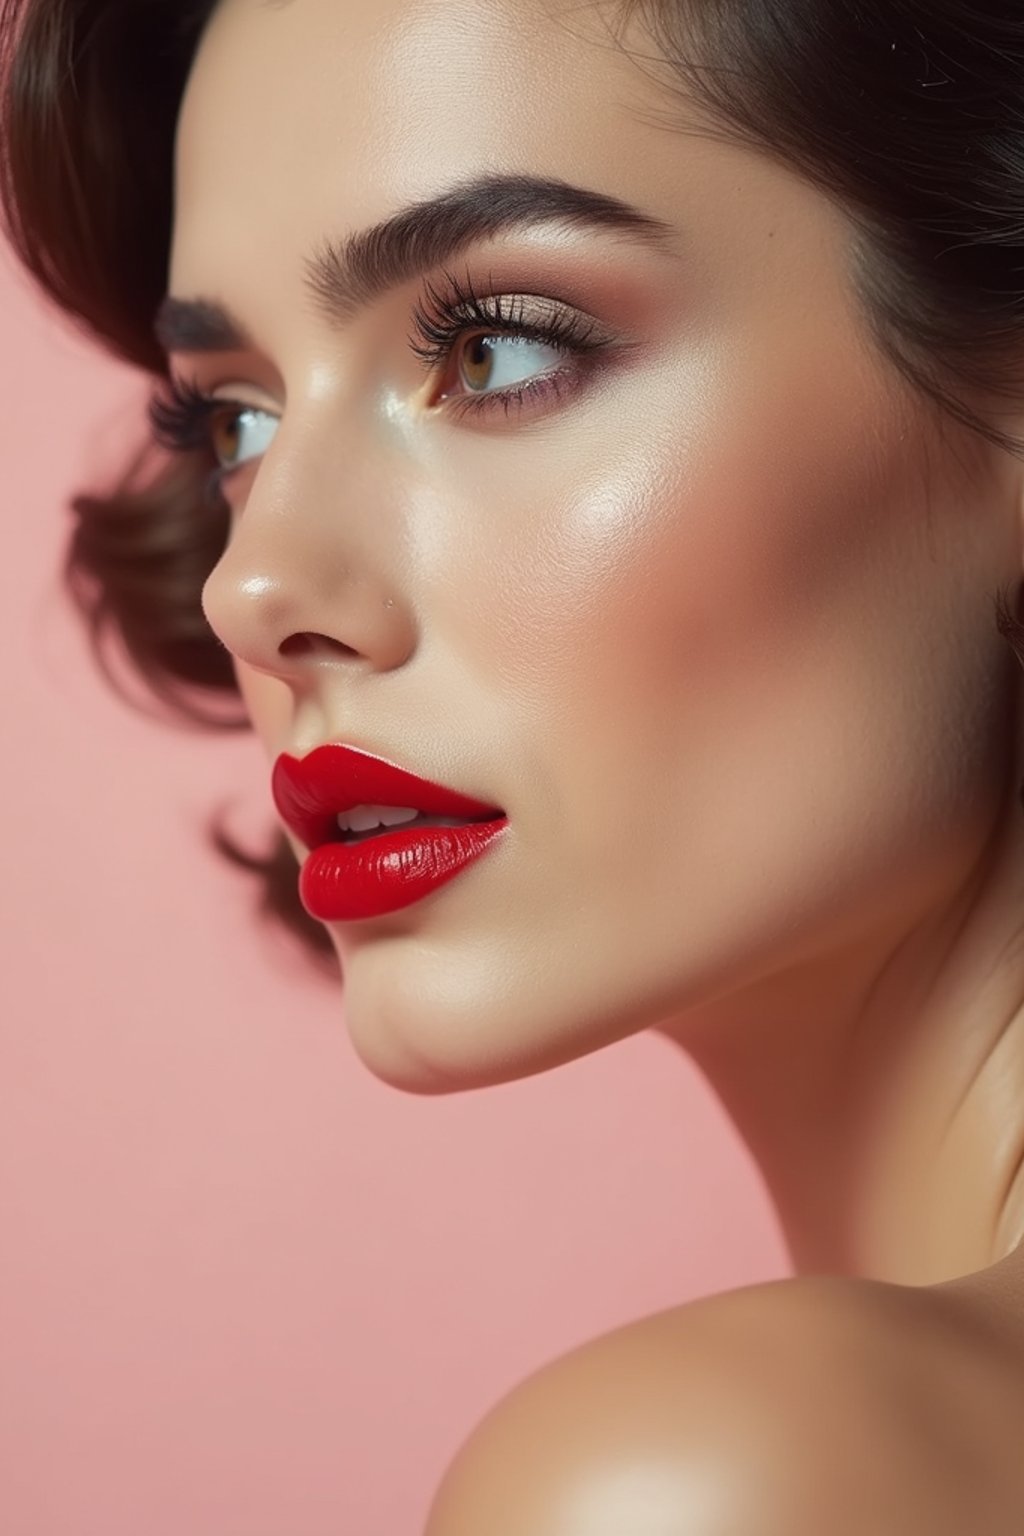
column 714, row 627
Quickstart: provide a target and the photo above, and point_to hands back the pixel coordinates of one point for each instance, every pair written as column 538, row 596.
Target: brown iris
column 477, row 361
column 224, row 434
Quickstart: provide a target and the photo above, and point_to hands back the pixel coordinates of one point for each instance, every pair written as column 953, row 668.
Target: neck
column 881, row 1091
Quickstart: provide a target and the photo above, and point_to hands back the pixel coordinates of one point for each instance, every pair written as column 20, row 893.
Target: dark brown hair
column 907, row 113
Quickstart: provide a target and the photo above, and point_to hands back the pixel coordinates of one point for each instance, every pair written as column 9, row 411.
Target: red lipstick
column 350, row 875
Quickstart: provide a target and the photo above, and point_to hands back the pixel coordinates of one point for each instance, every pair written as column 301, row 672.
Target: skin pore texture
column 714, row 626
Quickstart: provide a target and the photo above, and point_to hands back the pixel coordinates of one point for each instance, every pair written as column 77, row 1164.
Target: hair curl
column 909, row 114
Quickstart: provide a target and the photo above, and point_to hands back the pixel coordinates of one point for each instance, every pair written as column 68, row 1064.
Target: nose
column 310, row 576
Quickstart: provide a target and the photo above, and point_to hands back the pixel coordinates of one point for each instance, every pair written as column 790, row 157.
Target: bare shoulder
column 789, row 1409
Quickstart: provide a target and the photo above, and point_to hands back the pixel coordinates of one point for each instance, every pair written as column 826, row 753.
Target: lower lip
column 341, row 882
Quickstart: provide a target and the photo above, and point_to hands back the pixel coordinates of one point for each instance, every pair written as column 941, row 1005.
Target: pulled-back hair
column 908, row 114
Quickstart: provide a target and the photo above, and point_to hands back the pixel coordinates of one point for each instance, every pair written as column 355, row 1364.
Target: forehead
column 333, row 113
column 310, row 118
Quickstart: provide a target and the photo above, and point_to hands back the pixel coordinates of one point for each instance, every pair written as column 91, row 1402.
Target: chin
column 431, row 1024
column 410, row 1073
column 421, row 1052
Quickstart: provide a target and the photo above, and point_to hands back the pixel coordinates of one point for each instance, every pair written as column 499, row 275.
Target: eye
column 186, row 419
column 234, row 428
column 483, row 363
column 504, row 352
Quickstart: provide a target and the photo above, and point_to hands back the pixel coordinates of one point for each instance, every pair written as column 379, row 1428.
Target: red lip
column 310, row 791
column 341, row 881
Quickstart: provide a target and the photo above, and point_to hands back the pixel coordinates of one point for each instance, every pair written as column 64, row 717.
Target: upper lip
column 309, row 792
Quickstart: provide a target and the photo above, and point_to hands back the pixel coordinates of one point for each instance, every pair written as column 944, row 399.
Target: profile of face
column 679, row 574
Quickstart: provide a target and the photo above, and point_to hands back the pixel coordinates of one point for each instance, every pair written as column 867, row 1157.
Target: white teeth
column 363, row 818
column 368, row 818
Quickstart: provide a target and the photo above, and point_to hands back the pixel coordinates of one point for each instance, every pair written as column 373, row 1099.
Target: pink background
column 245, row 1288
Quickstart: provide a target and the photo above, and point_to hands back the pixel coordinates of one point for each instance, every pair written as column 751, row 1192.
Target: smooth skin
column 714, row 625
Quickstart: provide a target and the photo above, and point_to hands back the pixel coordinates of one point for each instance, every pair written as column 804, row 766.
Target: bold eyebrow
column 343, row 277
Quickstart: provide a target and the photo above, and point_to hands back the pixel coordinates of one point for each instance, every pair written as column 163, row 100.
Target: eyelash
column 181, row 419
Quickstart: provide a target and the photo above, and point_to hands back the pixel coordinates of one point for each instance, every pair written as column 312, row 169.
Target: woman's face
column 707, row 610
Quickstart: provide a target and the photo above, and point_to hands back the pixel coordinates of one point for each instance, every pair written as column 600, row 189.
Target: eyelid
column 447, row 316
column 457, row 308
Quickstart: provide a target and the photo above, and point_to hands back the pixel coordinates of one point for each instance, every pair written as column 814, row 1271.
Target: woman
column 597, row 449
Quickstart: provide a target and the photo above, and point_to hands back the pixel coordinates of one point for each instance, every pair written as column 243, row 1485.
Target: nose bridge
column 314, row 567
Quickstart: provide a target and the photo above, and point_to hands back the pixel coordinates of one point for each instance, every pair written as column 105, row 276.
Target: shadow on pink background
column 245, row 1288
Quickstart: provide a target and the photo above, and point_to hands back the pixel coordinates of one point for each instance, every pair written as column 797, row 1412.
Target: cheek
column 696, row 565
column 731, row 635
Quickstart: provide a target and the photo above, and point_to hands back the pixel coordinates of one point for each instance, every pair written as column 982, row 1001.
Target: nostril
column 295, row 645
column 302, row 644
